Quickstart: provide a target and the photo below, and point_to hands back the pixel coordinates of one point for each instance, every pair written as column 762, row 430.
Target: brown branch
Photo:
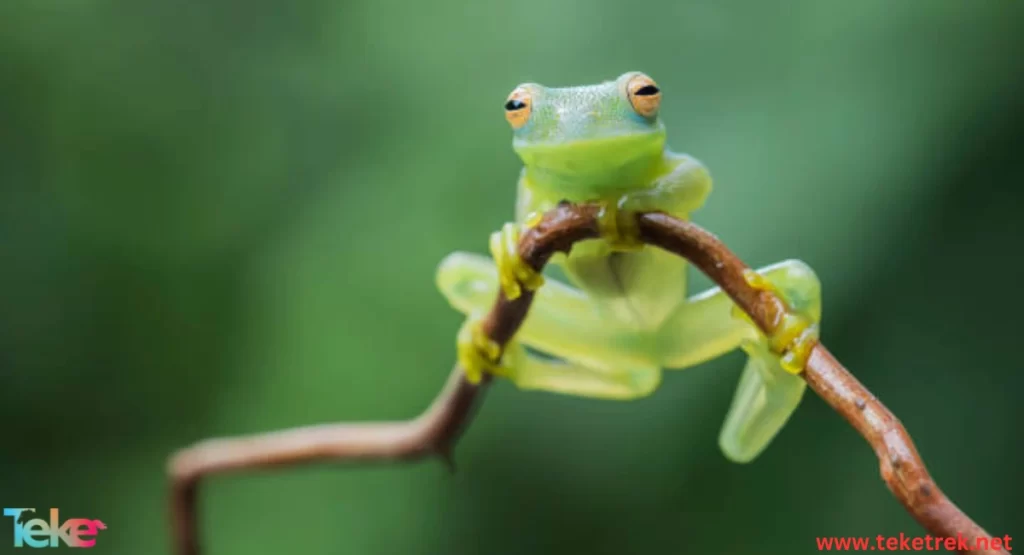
column 437, row 429
column 432, row 433
column 902, row 468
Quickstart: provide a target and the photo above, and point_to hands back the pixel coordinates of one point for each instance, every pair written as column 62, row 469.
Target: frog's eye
column 644, row 95
column 518, row 107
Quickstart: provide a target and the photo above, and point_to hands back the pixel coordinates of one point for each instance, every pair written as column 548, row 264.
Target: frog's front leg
column 596, row 358
column 707, row 326
column 682, row 186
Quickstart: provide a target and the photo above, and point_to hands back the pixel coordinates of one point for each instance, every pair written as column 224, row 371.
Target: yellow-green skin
column 625, row 316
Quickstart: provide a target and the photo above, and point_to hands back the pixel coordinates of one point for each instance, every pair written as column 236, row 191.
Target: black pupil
column 647, row 90
column 513, row 105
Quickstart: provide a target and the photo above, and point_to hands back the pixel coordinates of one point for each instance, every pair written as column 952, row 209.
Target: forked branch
column 437, row 429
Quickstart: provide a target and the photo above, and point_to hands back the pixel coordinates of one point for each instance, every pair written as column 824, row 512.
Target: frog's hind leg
column 767, row 395
column 595, row 357
column 562, row 321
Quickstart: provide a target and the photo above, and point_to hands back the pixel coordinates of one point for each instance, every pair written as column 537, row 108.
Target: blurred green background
column 223, row 217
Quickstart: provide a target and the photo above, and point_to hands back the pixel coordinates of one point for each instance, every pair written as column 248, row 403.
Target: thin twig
column 902, row 468
column 437, row 429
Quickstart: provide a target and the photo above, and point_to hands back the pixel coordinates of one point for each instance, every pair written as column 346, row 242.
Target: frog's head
column 594, row 136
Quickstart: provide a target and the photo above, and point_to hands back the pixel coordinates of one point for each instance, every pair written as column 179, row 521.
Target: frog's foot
column 618, row 226
column 513, row 273
column 794, row 336
column 477, row 353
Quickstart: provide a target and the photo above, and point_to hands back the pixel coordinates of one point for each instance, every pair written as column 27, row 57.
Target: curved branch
column 437, row 429
column 902, row 468
column 432, row 433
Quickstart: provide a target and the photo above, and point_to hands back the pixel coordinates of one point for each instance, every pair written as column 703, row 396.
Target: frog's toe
column 513, row 273
column 796, row 333
column 477, row 353
column 618, row 227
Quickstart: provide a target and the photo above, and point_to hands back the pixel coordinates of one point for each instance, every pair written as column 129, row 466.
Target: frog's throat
column 593, row 168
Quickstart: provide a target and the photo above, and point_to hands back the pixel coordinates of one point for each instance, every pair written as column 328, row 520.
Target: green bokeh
column 222, row 217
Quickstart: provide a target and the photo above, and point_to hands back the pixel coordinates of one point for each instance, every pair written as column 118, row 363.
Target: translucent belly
column 639, row 289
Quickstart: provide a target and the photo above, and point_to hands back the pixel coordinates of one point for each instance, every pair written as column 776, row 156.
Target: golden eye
column 644, row 95
column 518, row 107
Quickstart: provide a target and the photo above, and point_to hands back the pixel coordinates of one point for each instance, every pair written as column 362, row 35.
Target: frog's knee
column 645, row 381
column 467, row 280
column 792, row 271
column 798, row 284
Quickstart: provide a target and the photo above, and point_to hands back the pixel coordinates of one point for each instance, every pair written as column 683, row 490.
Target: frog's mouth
column 603, row 164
